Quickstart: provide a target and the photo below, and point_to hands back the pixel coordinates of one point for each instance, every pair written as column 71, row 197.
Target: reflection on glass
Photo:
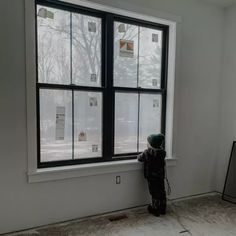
column 150, row 50
column 87, row 124
column 86, row 50
column 55, row 125
column 53, row 45
column 149, row 118
column 125, row 54
column 126, row 122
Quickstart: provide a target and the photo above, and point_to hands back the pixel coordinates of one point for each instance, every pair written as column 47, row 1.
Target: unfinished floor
column 201, row 216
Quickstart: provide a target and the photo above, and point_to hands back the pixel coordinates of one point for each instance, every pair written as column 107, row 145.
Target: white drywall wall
column 227, row 129
column 24, row 205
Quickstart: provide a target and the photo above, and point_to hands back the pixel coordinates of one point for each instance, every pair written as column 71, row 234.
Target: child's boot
column 163, row 206
column 154, row 208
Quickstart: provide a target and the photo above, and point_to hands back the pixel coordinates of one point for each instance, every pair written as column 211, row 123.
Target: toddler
column 154, row 171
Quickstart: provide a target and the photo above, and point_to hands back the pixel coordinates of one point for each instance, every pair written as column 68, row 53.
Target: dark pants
column 158, row 193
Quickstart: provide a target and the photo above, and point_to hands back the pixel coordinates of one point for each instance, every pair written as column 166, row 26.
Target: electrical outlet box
column 118, row 180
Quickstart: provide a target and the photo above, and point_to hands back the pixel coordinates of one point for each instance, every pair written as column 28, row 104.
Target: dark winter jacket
column 154, row 163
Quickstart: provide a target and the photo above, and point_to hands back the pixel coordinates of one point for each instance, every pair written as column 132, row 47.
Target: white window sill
column 66, row 172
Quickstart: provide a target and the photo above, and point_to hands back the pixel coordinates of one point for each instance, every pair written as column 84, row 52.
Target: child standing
column 154, row 172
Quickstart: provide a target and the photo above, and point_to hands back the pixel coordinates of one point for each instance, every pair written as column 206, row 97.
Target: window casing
column 111, row 96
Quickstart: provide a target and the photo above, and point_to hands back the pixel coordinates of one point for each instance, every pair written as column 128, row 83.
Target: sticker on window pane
column 126, row 48
column 82, row 136
column 60, row 123
column 121, row 28
column 154, row 82
column 93, row 102
column 44, row 13
column 92, row 27
column 155, row 38
column 93, row 78
column 94, row 148
column 155, row 103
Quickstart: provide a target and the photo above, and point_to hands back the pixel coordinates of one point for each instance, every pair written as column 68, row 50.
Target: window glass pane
column 125, row 54
column 150, row 50
column 126, row 122
column 87, row 124
column 149, row 118
column 86, row 50
column 53, row 45
column 55, row 125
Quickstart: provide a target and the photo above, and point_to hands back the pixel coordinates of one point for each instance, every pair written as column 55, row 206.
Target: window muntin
column 111, row 85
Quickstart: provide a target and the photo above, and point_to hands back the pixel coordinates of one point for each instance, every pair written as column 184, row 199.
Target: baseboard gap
column 212, row 193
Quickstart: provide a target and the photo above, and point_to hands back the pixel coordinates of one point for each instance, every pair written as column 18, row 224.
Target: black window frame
column 107, row 89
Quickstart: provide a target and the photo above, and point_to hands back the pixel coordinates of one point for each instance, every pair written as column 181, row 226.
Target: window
column 101, row 84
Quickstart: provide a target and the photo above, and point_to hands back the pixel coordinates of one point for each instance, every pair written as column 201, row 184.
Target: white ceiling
column 223, row 3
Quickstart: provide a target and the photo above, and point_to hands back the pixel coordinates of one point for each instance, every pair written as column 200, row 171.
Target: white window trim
column 56, row 173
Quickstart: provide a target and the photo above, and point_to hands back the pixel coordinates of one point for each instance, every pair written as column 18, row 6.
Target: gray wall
column 25, row 205
column 227, row 131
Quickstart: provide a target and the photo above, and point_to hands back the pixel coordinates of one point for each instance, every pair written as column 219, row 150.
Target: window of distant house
column 101, row 84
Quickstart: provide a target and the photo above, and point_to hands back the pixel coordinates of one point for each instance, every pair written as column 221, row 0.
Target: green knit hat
column 156, row 140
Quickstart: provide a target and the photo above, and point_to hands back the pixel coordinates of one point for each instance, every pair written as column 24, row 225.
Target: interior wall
column 227, row 130
column 24, row 205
